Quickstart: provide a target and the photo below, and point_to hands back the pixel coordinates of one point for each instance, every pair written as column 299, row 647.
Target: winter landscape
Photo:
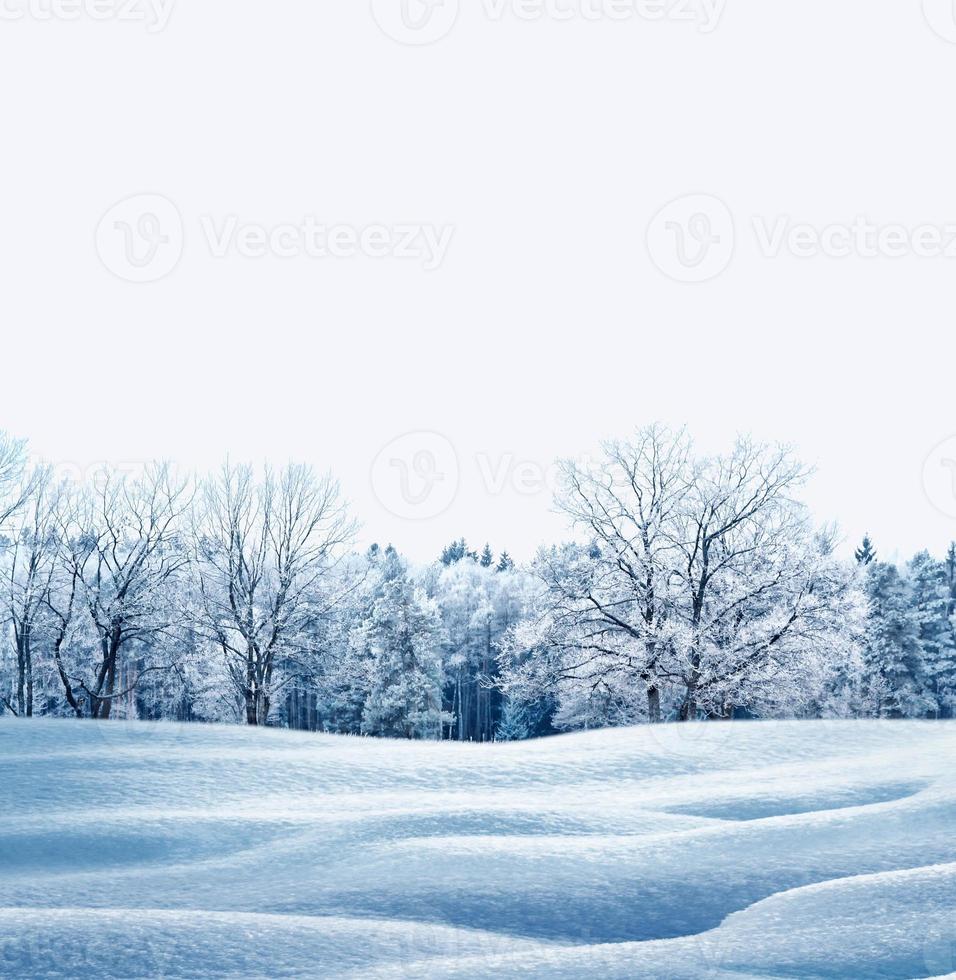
column 477, row 490
column 701, row 737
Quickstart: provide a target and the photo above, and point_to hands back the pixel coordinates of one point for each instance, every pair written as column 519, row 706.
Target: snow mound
column 813, row 849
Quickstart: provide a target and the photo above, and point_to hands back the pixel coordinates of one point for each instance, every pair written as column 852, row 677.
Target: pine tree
column 930, row 592
column 457, row 551
column 403, row 634
column 947, row 684
column 950, row 566
column 487, row 558
column 453, row 553
column 515, row 724
column 505, row 562
column 865, row 554
column 893, row 662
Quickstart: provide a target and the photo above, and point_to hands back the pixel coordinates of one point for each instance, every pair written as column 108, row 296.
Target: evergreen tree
column 487, row 558
column 505, row 563
column 950, row 566
column 893, row 663
column 866, row 553
column 453, row 553
column 457, row 551
column 947, row 693
column 930, row 592
column 515, row 723
column 403, row 637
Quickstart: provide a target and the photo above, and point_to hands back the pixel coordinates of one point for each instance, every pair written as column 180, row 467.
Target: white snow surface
column 740, row 850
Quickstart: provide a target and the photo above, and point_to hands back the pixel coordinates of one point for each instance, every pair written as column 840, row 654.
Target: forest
column 690, row 587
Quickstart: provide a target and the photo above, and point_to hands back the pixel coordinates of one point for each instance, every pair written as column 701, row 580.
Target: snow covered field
column 817, row 849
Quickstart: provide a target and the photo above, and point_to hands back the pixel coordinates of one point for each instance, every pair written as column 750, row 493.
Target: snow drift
column 778, row 849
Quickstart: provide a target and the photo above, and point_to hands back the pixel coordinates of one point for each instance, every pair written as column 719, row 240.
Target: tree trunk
column 101, row 702
column 688, row 711
column 689, row 708
column 251, row 689
column 105, row 704
column 21, row 680
column 28, row 659
column 654, row 705
column 257, row 703
column 459, row 708
column 250, row 698
column 64, row 679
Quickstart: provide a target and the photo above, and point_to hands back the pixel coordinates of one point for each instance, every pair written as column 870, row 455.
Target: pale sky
column 545, row 148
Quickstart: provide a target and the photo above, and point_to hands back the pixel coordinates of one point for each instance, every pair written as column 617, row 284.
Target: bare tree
column 14, row 489
column 264, row 550
column 29, row 573
column 702, row 576
column 739, row 524
column 122, row 551
column 17, row 485
column 621, row 603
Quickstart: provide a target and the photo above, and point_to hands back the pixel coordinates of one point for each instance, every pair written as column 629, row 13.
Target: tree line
column 692, row 586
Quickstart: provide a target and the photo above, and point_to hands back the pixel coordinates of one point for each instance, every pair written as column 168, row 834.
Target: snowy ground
column 821, row 849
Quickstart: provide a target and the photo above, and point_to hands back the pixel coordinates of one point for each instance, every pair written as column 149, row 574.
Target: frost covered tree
column 612, row 605
column 30, row 562
column 478, row 604
column 122, row 548
column 14, row 489
column 866, row 553
column 910, row 653
column 696, row 586
column 400, row 642
column 703, row 578
column 947, row 693
column 764, row 607
column 265, row 552
column 14, row 493
column 893, row 663
column 930, row 599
